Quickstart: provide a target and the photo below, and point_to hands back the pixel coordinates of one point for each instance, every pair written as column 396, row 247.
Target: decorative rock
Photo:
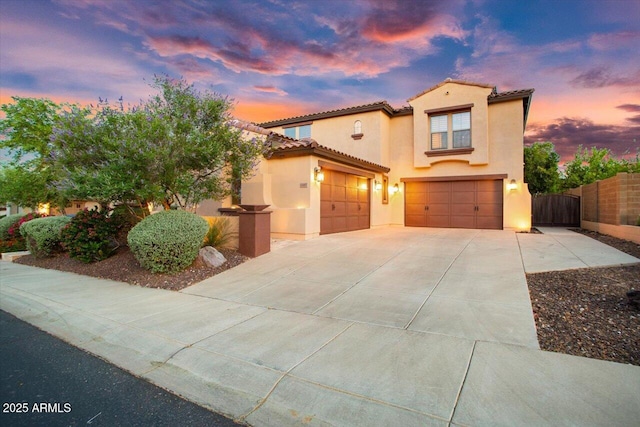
column 211, row 257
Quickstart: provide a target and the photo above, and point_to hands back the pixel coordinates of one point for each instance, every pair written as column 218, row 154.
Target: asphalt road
column 64, row 386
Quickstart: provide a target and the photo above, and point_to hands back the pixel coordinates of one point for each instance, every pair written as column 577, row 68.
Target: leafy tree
column 26, row 130
column 596, row 164
column 541, row 168
column 26, row 186
column 176, row 149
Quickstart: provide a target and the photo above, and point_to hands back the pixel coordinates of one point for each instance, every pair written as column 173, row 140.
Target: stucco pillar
column 254, row 231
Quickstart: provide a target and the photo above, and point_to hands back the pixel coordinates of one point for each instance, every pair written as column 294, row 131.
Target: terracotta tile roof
column 284, row 146
column 508, row 95
column 374, row 106
column 450, row 80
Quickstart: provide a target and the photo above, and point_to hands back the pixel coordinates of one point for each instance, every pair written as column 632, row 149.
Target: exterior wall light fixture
column 512, row 186
column 377, row 185
column 318, row 175
column 393, row 189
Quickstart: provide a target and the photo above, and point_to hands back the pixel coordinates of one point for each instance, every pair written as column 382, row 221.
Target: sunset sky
column 280, row 58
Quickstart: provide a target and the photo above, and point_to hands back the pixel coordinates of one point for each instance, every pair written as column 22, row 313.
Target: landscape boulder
column 211, row 257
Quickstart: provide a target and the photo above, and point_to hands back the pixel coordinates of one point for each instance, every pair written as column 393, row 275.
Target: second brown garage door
column 344, row 202
column 454, row 204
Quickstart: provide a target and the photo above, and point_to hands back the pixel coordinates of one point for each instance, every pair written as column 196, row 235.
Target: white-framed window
column 460, row 135
column 298, row 132
column 357, row 127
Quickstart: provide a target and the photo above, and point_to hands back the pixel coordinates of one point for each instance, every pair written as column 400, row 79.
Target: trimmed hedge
column 168, row 241
column 6, row 223
column 43, row 235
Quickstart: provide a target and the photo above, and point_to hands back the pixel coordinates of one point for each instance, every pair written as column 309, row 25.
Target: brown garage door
column 454, row 204
column 344, row 202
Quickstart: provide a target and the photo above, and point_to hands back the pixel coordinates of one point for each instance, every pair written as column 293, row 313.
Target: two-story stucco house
column 452, row 158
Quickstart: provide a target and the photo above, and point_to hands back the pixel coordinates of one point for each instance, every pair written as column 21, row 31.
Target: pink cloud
column 270, row 89
column 602, row 76
column 614, row 41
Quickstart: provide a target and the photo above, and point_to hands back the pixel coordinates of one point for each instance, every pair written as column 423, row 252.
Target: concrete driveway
column 394, row 326
column 462, row 283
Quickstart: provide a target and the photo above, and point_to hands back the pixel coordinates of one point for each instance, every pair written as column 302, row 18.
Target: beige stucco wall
column 336, row 133
column 445, row 96
column 288, row 186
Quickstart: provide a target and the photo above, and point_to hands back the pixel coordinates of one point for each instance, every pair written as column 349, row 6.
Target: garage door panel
column 344, row 202
column 439, row 209
column 325, row 192
column 463, row 209
column 463, row 197
column 353, row 208
column 489, row 222
column 439, row 187
column 353, row 223
column 489, row 210
column 338, row 178
column 441, row 221
column 459, row 204
column 325, row 207
column 463, row 221
column 416, row 220
column 490, row 186
column 339, row 223
column 339, row 193
column 412, row 198
column 489, row 198
column 462, row 186
column 326, row 223
column 440, row 197
column 352, row 193
column 415, row 209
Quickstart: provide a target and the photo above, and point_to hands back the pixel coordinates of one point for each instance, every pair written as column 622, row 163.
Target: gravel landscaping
column 124, row 267
column 585, row 312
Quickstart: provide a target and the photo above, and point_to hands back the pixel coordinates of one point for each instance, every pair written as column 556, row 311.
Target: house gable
column 444, row 100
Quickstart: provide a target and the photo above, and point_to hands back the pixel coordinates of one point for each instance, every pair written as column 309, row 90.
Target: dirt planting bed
column 585, row 312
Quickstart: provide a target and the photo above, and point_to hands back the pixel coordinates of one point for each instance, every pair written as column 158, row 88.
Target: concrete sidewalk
column 394, row 326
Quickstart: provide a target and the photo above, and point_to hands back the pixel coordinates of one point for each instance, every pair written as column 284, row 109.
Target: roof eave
column 326, row 153
column 378, row 106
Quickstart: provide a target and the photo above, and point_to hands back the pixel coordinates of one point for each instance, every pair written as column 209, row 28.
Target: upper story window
column 298, row 132
column 451, row 130
column 357, row 130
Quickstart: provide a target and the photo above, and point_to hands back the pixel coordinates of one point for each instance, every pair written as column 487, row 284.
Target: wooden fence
column 556, row 210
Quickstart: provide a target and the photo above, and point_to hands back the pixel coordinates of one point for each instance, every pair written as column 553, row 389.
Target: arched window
column 357, row 130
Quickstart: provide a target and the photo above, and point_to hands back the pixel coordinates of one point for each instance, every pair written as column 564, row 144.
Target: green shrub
column 220, row 232
column 90, row 235
column 43, row 235
column 6, row 223
column 168, row 241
